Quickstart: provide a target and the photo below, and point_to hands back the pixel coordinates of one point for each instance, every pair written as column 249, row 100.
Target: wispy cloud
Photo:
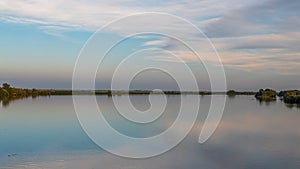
column 274, row 53
column 249, row 35
column 91, row 14
column 272, row 16
column 154, row 42
column 179, row 57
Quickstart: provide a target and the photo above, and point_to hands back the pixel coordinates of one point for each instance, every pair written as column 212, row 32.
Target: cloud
column 273, row 53
column 249, row 35
column 180, row 57
column 91, row 14
column 219, row 18
column 287, row 42
column 88, row 15
column 272, row 16
column 154, row 42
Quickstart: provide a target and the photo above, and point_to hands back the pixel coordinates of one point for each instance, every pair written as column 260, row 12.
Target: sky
column 257, row 41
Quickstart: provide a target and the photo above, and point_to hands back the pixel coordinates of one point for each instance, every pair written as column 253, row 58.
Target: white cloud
column 274, row 53
column 154, row 42
column 92, row 14
column 181, row 56
column 88, row 15
column 241, row 48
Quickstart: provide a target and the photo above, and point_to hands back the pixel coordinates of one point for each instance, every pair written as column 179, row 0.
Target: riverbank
column 8, row 93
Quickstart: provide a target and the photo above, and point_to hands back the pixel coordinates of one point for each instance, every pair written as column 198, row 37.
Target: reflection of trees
column 231, row 96
column 266, row 102
column 290, row 106
column 5, row 102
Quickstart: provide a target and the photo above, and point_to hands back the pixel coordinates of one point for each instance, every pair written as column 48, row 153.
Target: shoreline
column 142, row 92
column 8, row 93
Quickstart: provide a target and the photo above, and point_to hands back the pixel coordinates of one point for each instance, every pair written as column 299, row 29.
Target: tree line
column 8, row 93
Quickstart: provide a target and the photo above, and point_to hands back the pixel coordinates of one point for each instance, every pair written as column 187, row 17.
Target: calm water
column 45, row 133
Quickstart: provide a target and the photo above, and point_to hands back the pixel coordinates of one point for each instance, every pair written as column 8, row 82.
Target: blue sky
column 258, row 41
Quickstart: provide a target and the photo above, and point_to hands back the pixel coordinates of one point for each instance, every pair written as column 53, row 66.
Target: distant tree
column 231, row 92
column 109, row 93
column 6, row 86
column 266, row 95
column 3, row 94
column 34, row 92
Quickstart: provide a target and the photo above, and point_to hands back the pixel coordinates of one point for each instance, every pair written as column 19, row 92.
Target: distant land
column 9, row 93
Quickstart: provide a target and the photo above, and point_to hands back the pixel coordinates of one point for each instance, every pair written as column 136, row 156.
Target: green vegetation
column 266, row 95
column 205, row 93
column 8, row 93
column 290, row 96
column 3, row 94
column 233, row 93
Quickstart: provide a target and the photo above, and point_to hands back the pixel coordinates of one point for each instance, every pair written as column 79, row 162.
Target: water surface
column 45, row 133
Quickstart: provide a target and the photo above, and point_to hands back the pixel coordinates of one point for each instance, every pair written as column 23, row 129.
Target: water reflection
column 267, row 102
column 5, row 102
column 44, row 133
column 291, row 106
